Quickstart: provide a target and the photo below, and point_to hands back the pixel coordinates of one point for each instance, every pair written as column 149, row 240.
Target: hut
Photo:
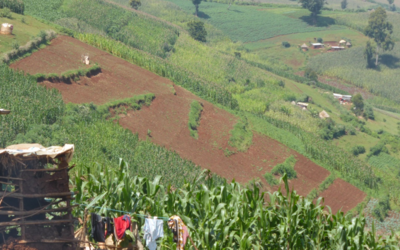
column 323, row 114
column 317, row 45
column 35, row 187
column 348, row 44
column 342, row 42
column 304, row 47
column 302, row 105
column 6, row 29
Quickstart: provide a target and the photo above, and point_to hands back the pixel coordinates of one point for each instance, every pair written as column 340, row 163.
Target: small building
column 35, row 184
column 302, row 105
column 342, row 42
column 304, row 47
column 6, row 29
column 323, row 114
column 343, row 98
column 348, row 44
column 337, row 48
column 317, row 45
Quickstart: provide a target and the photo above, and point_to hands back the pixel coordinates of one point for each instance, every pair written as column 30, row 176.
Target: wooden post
column 21, row 207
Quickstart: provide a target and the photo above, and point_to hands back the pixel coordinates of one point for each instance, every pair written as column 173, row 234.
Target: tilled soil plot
column 342, row 196
column 167, row 117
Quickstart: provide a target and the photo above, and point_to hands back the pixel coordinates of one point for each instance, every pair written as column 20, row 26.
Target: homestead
column 317, row 45
column 35, row 188
column 342, row 98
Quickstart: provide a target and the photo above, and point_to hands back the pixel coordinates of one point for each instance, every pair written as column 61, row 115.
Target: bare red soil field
column 342, row 196
column 167, row 117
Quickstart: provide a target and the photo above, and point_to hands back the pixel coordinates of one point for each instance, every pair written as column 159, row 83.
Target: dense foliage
column 197, row 31
column 194, row 118
column 226, row 216
column 286, row 168
column 16, row 6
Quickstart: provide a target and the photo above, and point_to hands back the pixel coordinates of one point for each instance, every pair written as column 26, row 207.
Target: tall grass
column 194, row 118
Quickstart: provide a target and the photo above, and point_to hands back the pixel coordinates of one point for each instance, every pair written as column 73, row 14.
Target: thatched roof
column 323, row 114
column 304, row 45
column 342, row 41
column 25, row 155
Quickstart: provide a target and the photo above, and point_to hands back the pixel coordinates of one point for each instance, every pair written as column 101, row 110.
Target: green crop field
column 25, row 27
column 247, row 23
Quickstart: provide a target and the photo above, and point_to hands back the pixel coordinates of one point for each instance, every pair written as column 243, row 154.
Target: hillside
column 172, row 106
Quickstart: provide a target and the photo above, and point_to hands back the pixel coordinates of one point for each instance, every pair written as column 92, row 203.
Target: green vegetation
column 247, row 23
column 241, row 135
column 16, row 6
column 381, row 209
column 43, row 38
column 194, row 118
column 6, row 12
column 135, row 4
column 133, row 103
column 356, row 150
column 322, row 187
column 314, row 6
column 69, row 75
column 201, row 205
column 286, row 168
column 271, row 180
column 197, row 31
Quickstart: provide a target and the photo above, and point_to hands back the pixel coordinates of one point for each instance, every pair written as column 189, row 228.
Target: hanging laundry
column 175, row 223
column 153, row 229
column 98, row 228
column 121, row 224
column 109, row 226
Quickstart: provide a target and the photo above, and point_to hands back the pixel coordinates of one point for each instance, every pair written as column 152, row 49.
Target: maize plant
column 225, row 216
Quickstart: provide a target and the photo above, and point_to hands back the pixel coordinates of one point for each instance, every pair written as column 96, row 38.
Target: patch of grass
column 133, row 103
column 271, row 180
column 247, row 23
column 286, row 167
column 241, row 135
column 69, row 75
column 194, row 118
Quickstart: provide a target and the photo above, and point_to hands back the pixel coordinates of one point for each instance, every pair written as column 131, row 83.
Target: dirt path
column 167, row 117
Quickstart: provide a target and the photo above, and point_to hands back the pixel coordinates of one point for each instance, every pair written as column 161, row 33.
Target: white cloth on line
column 153, row 229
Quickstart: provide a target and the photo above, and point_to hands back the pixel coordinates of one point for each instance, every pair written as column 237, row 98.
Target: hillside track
column 167, row 117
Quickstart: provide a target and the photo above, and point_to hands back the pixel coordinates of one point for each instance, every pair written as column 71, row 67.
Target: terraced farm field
column 165, row 121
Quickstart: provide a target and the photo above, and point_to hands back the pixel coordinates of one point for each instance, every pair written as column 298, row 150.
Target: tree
column 311, row 74
column 196, row 4
column 358, row 103
column 197, row 30
column 369, row 54
column 135, row 4
column 380, row 30
column 390, row 1
column 314, row 6
column 344, row 4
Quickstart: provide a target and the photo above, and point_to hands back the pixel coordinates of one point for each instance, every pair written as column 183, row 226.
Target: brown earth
column 342, row 196
column 167, row 116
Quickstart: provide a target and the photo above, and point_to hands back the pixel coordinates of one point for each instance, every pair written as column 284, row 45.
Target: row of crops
column 225, row 216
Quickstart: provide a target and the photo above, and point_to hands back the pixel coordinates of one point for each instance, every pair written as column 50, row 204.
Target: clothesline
column 125, row 212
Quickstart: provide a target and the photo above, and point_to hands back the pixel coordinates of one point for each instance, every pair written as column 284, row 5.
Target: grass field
column 247, row 23
column 25, row 27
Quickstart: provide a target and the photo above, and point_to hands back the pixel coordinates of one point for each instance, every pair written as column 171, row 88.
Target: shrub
column 135, row 4
column 241, row 135
column 381, row 209
column 380, row 131
column 377, row 149
column 320, row 40
column 311, row 74
column 15, row 45
column 286, row 167
column 302, row 98
column 194, row 118
column 357, row 150
column 271, row 180
column 286, row 44
column 5, row 12
column 197, row 30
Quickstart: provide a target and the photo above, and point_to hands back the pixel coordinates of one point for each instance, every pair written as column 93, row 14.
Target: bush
column 369, row 113
column 194, row 118
column 320, row 40
column 377, row 149
column 197, row 31
column 311, row 74
column 5, row 12
column 381, row 208
column 15, row 45
column 241, row 135
column 271, row 180
column 302, row 98
column 286, row 44
column 286, row 168
column 357, row 150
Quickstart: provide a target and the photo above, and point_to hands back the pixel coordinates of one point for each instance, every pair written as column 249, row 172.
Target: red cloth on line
column 121, row 224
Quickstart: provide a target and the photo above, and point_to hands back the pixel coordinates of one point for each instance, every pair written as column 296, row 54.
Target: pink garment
column 185, row 235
